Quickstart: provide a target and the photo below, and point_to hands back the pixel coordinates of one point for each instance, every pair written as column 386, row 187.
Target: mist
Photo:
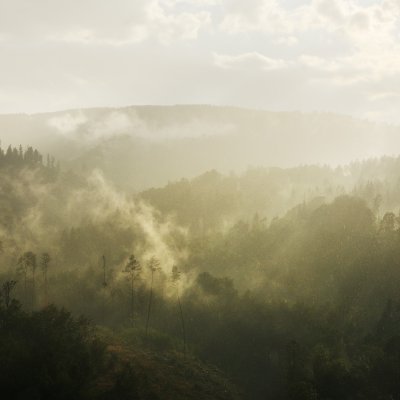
column 142, row 147
column 200, row 199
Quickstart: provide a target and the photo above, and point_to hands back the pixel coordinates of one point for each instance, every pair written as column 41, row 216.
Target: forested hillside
column 216, row 201
column 301, row 306
column 144, row 146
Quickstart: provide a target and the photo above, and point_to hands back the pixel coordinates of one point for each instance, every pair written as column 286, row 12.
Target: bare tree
column 133, row 270
column 154, row 266
column 176, row 277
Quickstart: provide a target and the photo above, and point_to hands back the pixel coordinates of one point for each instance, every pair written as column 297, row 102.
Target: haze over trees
column 144, row 146
column 278, row 283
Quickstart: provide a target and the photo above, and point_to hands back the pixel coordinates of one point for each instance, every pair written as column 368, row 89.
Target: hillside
column 214, row 200
column 301, row 306
column 143, row 146
column 49, row 354
column 169, row 376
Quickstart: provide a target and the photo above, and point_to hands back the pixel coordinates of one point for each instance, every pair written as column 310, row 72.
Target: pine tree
column 176, row 277
column 44, row 263
column 133, row 270
column 154, row 266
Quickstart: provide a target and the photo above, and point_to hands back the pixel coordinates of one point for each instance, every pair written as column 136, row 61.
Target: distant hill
column 213, row 200
column 143, row 146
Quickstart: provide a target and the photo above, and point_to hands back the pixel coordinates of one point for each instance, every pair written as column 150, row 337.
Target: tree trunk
column 46, row 296
column 33, row 289
column 183, row 325
column 150, row 301
column 132, row 300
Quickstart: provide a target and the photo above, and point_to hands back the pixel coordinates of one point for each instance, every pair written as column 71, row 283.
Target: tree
column 32, row 264
column 154, row 266
column 25, row 263
column 133, row 270
column 176, row 277
column 104, row 286
column 388, row 222
column 44, row 263
column 7, row 288
column 104, row 271
column 48, row 354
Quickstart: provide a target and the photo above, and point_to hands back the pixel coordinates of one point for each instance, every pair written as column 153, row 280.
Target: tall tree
column 176, row 278
column 104, row 286
column 7, row 288
column 44, row 263
column 154, row 266
column 133, row 270
column 26, row 264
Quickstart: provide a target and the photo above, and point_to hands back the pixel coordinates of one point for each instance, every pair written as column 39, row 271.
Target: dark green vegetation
column 304, row 306
column 48, row 354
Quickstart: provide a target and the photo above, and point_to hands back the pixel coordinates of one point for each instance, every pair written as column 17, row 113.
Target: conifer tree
column 133, row 270
column 176, row 277
column 44, row 263
column 154, row 266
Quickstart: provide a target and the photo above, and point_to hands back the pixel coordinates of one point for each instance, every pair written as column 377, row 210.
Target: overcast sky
column 308, row 55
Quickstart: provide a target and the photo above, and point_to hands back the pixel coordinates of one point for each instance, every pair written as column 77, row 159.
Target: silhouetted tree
column 26, row 263
column 7, row 288
column 176, row 277
column 132, row 269
column 44, row 263
column 154, row 266
column 388, row 222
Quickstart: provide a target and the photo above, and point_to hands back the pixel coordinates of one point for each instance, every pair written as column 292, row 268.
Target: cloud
column 319, row 63
column 60, row 55
column 79, row 126
column 101, row 22
column 384, row 96
column 371, row 32
column 250, row 61
column 67, row 123
column 287, row 40
column 135, row 34
column 255, row 15
column 167, row 26
column 331, row 10
column 86, row 128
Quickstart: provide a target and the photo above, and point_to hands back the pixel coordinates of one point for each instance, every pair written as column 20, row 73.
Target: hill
column 170, row 376
column 143, row 146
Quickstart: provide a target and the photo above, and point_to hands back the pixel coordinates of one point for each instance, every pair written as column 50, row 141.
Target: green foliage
column 47, row 354
column 126, row 385
column 153, row 339
column 305, row 306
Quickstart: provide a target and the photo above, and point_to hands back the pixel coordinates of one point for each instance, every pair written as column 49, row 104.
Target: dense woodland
column 285, row 280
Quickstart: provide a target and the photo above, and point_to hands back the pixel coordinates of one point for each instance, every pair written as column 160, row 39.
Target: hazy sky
column 328, row 55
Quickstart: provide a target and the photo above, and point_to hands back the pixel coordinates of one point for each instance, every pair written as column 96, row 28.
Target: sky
column 339, row 56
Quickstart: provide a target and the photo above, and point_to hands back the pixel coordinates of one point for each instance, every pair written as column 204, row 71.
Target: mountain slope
column 143, row 146
column 168, row 376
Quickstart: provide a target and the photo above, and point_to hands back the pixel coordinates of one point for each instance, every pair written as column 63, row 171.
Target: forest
column 271, row 284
